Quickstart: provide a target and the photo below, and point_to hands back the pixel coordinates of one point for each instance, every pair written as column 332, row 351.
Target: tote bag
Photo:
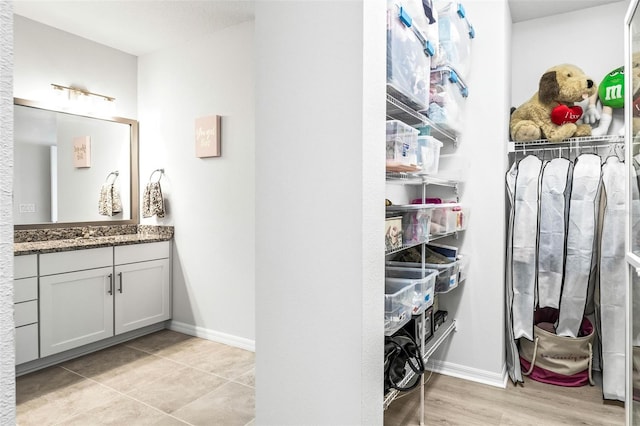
column 557, row 360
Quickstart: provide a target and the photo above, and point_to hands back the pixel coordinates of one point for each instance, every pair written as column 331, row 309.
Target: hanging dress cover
column 512, row 355
column 581, row 231
column 635, row 247
column 554, row 194
column 524, row 241
column 612, row 279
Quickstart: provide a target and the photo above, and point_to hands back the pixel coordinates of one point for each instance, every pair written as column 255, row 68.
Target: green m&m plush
column 611, row 89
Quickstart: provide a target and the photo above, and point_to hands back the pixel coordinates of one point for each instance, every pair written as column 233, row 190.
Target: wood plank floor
column 452, row 401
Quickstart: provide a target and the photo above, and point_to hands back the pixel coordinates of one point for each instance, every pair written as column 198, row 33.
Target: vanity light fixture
column 80, row 99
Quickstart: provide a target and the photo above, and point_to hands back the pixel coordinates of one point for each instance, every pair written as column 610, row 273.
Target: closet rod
column 586, row 142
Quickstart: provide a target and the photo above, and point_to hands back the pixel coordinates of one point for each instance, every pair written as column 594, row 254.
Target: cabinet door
column 142, row 294
column 76, row 308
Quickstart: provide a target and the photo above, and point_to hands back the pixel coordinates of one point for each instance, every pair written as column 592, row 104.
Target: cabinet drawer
column 79, row 260
column 25, row 289
column 25, row 313
column 26, row 343
column 25, row 266
column 142, row 252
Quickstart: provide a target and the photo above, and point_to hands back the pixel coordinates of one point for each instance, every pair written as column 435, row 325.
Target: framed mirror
column 72, row 169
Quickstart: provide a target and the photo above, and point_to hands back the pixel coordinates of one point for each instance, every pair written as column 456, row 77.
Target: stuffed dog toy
column 551, row 113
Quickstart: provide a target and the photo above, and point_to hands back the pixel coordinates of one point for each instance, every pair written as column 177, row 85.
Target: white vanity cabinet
column 93, row 294
column 76, row 298
column 25, row 298
column 142, row 285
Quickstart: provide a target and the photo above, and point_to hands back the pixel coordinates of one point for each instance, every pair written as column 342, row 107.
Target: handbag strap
column 414, row 361
column 535, row 354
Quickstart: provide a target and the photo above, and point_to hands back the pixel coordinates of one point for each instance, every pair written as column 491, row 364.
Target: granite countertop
column 31, row 242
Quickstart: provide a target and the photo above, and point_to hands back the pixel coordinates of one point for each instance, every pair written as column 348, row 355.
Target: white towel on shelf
column 152, row 201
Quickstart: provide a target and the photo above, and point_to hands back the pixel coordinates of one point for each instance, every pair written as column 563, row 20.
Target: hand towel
column 152, row 201
column 110, row 202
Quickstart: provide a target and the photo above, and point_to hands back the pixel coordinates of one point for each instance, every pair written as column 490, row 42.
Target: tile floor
column 165, row 378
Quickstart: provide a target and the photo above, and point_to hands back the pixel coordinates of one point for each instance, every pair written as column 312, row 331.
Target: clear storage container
column 447, row 100
column 423, row 281
column 398, row 304
column 428, row 155
column 447, row 278
column 447, row 219
column 408, row 50
column 402, row 142
column 463, row 262
column 416, row 226
column 455, row 36
column 393, row 233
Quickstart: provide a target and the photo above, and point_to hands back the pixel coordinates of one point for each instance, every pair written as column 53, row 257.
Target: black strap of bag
column 402, row 350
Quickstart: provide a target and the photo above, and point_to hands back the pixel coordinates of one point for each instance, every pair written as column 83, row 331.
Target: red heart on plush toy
column 563, row 114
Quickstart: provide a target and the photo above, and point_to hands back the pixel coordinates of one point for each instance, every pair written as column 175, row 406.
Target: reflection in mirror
column 73, row 169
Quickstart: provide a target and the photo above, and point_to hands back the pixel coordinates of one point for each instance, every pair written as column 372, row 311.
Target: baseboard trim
column 215, row 336
column 498, row 380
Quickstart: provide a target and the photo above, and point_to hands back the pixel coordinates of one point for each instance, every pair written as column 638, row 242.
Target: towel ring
column 161, row 171
column 114, row 173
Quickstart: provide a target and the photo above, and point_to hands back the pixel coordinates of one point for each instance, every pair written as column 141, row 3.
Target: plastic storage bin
column 393, row 233
column 408, row 60
column 402, row 143
column 428, row 155
column 463, row 262
column 423, row 282
column 455, row 35
column 445, row 220
column 416, row 226
column 398, row 304
column 447, row 278
column 447, row 100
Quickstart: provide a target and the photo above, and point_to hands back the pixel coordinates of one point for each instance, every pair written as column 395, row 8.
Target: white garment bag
column 635, row 247
column 524, row 242
column 512, row 354
column 554, row 193
column 581, row 232
column 612, row 286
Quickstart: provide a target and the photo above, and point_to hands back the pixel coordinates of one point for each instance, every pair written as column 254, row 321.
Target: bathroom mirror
column 63, row 160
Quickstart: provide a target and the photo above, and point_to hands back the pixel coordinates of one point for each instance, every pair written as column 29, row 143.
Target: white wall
column 35, row 186
column 476, row 349
column 319, row 212
column 45, row 55
column 210, row 201
column 7, row 361
column 591, row 39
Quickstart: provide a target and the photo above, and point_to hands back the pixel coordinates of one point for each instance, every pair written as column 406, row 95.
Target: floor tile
column 123, row 411
column 229, row 362
column 177, row 388
column 104, row 361
column 155, row 342
column 248, row 378
column 59, row 396
column 231, row 404
column 39, row 383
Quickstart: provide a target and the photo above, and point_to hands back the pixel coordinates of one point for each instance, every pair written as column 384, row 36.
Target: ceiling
column 144, row 26
column 524, row 10
column 137, row 27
